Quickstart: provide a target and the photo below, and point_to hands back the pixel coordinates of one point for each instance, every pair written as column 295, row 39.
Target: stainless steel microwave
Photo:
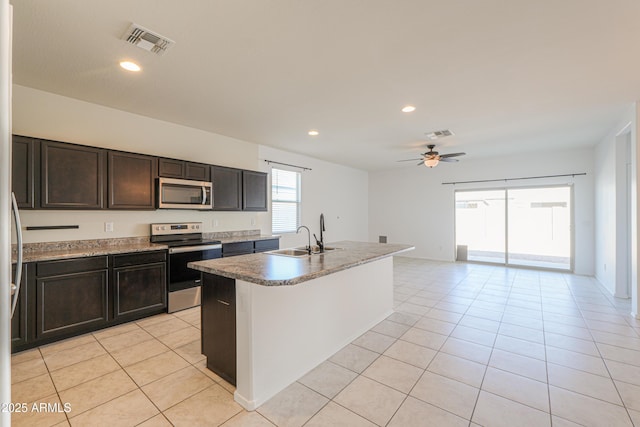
column 184, row 194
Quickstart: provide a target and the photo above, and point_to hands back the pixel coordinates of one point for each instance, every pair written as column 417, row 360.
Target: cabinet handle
column 223, row 302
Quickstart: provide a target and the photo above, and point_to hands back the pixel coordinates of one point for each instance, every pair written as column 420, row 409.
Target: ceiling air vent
column 439, row 134
column 147, row 40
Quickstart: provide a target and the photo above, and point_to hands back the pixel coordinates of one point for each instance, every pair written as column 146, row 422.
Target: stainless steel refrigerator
column 5, row 209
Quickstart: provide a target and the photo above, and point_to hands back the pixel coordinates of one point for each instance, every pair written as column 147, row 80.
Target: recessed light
column 408, row 109
column 130, row 66
column 313, row 132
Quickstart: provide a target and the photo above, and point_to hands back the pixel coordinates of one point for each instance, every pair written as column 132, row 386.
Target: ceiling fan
column 431, row 158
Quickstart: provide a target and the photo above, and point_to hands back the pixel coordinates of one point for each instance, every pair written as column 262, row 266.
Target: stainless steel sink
column 299, row 252
column 289, row 252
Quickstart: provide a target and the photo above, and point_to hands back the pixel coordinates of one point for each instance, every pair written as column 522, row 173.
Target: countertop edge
column 88, row 252
column 299, row 279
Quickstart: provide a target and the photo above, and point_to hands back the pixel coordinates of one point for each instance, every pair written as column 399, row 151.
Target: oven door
column 183, row 277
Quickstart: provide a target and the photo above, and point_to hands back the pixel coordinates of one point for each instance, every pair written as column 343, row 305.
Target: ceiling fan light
column 431, row 163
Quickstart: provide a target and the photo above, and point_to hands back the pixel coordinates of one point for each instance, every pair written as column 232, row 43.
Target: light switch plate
column 108, row 226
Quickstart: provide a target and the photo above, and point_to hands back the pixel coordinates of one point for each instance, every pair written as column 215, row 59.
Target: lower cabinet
column 219, row 325
column 249, row 247
column 63, row 298
column 237, row 248
column 19, row 321
column 139, row 284
column 71, row 296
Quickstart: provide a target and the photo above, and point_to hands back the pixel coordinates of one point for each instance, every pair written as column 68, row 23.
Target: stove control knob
column 163, row 227
column 197, row 227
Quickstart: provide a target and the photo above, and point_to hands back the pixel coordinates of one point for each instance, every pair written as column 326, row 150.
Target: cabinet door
column 72, row 176
column 171, row 168
column 227, row 188
column 71, row 303
column 254, row 191
column 131, row 181
column 219, row 325
column 266, row 245
column 19, row 320
column 237, row 248
column 197, row 172
column 23, row 170
column 139, row 290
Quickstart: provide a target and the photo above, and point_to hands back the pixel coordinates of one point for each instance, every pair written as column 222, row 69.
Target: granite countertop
column 34, row 252
column 48, row 251
column 278, row 270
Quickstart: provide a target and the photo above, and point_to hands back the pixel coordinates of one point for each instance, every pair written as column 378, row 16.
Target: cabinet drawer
column 237, row 248
column 126, row 260
column 267, row 245
column 67, row 266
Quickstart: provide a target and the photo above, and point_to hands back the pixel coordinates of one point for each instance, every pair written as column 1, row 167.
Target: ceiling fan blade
column 420, row 164
column 444, row 156
column 448, row 159
column 408, row 160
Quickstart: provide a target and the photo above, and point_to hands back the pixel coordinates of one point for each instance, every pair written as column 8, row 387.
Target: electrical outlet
column 108, row 226
column 214, row 223
column 253, row 221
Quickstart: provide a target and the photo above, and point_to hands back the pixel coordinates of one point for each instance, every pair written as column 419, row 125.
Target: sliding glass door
column 480, row 230
column 521, row 226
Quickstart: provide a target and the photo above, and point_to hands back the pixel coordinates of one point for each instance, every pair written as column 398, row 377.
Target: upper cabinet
column 131, row 181
column 58, row 175
column 173, row 168
column 254, row 191
column 227, row 188
column 23, row 172
column 72, row 176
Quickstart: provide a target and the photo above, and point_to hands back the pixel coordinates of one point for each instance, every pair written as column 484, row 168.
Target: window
column 285, row 201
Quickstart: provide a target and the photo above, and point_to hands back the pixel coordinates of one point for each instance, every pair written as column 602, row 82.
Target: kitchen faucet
column 320, row 242
column 308, row 237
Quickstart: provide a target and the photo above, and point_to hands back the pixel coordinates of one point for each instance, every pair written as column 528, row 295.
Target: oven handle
column 182, row 249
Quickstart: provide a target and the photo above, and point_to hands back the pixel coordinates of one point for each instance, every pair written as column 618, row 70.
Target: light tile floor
column 468, row 345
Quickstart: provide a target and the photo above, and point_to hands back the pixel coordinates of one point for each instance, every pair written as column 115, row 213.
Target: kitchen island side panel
column 283, row 332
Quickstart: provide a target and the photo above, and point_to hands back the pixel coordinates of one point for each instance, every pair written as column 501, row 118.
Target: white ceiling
column 504, row 75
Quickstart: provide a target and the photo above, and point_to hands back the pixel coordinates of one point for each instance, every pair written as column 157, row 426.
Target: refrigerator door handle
column 18, row 278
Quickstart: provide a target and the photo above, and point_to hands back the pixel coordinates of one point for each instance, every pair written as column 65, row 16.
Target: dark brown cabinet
column 227, row 188
column 254, row 191
column 23, row 172
column 173, row 168
column 219, row 325
column 266, row 245
column 249, row 247
column 71, row 296
column 237, row 248
column 139, row 284
column 131, row 179
column 197, row 172
column 72, row 176
column 19, row 320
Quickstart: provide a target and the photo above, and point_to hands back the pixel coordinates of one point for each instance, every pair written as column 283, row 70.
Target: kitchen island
column 268, row 319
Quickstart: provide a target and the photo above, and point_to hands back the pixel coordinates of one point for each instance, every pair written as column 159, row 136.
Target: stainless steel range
column 186, row 244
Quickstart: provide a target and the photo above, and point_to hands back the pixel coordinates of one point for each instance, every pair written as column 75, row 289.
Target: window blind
column 285, row 201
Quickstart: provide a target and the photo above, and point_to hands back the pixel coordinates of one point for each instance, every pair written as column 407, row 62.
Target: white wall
column 410, row 205
column 340, row 192
column 610, row 208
